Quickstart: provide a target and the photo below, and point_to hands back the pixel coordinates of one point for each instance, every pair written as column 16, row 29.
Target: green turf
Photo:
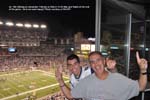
column 17, row 83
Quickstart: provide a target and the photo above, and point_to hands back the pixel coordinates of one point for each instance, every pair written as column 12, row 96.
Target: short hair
column 73, row 56
column 95, row 52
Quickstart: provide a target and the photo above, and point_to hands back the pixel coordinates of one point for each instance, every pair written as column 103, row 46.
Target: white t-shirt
column 85, row 71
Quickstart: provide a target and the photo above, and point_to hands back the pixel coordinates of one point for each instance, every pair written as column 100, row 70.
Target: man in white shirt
column 77, row 73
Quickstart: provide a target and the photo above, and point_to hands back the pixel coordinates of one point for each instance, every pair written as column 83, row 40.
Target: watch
column 144, row 73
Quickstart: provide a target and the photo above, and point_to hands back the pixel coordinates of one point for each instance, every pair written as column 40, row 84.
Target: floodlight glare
column 91, row 39
column 146, row 49
column 19, row 24
column 9, row 23
column 43, row 26
column 1, row 22
column 35, row 26
column 27, row 25
column 3, row 45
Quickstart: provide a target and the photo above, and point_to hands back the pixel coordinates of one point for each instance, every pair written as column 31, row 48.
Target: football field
column 27, row 84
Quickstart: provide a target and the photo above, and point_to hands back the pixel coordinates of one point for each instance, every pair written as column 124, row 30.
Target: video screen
column 12, row 50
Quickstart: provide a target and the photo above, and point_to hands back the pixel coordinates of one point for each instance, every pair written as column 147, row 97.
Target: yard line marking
column 31, row 91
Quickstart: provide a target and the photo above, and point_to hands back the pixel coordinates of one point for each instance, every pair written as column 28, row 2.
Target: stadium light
column 3, row 45
column 28, row 25
column 35, row 25
column 9, row 23
column 43, row 26
column 91, row 39
column 146, row 49
column 1, row 23
column 19, row 24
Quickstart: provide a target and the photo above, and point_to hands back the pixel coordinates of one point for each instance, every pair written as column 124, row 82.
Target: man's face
column 97, row 63
column 74, row 66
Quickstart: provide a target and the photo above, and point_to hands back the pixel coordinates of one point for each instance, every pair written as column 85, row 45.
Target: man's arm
column 143, row 72
column 64, row 88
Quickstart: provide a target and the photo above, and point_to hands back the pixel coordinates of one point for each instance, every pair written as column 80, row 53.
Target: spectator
column 77, row 73
column 103, row 85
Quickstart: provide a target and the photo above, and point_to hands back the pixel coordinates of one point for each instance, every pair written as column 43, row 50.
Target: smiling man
column 103, row 85
column 77, row 73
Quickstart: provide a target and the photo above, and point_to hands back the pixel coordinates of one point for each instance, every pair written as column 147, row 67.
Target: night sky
column 61, row 22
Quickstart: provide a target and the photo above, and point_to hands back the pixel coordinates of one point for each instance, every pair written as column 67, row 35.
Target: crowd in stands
column 44, row 56
column 22, row 34
column 28, row 58
column 55, row 96
column 42, row 50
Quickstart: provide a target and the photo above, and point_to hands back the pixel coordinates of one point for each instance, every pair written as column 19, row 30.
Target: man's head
column 73, row 63
column 97, row 62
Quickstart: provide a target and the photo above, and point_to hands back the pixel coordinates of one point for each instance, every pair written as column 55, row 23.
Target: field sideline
column 21, row 85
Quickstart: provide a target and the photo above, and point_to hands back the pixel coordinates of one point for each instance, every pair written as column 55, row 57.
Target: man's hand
column 141, row 62
column 58, row 74
column 143, row 69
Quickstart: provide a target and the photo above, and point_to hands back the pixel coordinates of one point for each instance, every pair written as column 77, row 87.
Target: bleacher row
column 16, row 34
column 55, row 96
column 31, row 59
